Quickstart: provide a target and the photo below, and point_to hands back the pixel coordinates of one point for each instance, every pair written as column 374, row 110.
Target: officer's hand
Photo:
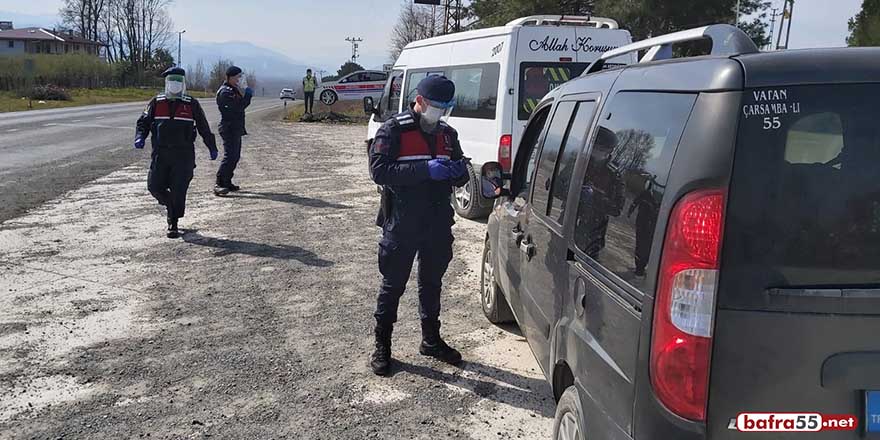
column 249, row 92
column 439, row 169
column 458, row 168
column 139, row 143
column 214, row 154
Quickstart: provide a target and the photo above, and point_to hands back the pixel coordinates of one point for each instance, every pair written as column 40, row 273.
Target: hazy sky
column 314, row 31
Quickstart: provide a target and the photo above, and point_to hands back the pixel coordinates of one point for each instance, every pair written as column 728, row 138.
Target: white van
column 500, row 75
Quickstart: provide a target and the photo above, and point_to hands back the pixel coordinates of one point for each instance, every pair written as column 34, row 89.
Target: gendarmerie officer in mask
column 172, row 119
column 417, row 159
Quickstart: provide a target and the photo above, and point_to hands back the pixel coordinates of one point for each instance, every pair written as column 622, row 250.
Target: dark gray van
column 687, row 239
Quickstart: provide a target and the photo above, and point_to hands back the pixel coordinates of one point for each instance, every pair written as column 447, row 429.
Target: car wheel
column 468, row 202
column 328, row 97
column 568, row 424
column 492, row 300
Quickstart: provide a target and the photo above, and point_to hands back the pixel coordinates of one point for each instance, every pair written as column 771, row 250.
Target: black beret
column 233, row 70
column 176, row 70
column 437, row 88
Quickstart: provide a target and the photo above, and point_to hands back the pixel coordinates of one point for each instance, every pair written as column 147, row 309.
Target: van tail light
column 684, row 311
column 504, row 153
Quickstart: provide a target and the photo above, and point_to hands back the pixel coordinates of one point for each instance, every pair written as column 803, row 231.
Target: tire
column 492, row 299
column 467, row 200
column 569, row 421
column 328, row 97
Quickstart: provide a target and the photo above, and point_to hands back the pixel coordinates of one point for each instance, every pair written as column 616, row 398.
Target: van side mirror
column 369, row 106
column 492, row 181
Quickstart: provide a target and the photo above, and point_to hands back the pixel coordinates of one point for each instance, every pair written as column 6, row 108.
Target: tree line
column 643, row 18
column 136, row 33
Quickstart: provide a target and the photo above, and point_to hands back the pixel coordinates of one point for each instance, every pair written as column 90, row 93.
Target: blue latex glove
column 458, row 168
column 214, row 154
column 249, row 91
column 439, row 169
column 139, row 143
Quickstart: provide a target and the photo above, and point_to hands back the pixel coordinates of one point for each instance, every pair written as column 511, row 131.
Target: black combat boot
column 380, row 361
column 434, row 346
column 173, row 232
column 233, row 187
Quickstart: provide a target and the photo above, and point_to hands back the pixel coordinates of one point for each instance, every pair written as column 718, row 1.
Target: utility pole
column 773, row 16
column 737, row 13
column 178, row 45
column 452, row 22
column 786, row 17
column 354, row 47
column 788, row 32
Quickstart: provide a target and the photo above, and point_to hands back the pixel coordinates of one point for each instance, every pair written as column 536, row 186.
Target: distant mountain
column 28, row 20
column 267, row 63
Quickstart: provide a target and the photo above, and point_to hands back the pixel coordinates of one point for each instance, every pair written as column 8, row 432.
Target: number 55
column 772, row 123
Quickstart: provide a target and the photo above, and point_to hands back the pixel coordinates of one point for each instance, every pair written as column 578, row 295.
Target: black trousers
column 171, row 171
column 231, row 156
column 310, row 101
column 396, row 256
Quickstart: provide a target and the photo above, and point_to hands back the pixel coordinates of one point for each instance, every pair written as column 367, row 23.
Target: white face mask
column 174, row 88
column 433, row 114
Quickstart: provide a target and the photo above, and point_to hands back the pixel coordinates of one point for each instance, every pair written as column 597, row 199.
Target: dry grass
column 10, row 102
column 352, row 109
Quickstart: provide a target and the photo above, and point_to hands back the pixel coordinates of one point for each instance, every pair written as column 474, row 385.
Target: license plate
column 872, row 411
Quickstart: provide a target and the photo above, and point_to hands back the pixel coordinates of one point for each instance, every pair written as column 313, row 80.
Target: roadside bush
column 72, row 70
column 49, row 93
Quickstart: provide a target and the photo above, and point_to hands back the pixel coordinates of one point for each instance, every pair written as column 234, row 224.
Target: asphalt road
column 45, row 153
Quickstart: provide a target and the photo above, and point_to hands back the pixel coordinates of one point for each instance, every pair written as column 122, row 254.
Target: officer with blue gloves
column 173, row 118
column 417, row 159
column 232, row 102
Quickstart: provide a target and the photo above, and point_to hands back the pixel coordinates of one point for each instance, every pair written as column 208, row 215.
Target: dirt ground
column 256, row 325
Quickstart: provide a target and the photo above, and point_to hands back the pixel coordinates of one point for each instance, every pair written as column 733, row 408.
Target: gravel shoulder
column 257, row 324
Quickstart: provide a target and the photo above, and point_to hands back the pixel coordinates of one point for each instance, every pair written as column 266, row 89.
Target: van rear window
column 538, row 79
column 804, row 206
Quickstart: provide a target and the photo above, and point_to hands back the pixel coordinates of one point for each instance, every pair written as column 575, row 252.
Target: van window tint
column 626, row 176
column 476, row 91
column 574, row 142
column 538, row 79
column 550, row 155
column 527, row 155
column 804, row 207
column 393, row 89
column 814, row 139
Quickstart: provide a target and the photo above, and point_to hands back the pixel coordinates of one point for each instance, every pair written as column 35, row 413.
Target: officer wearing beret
column 173, row 118
column 417, row 159
column 232, row 102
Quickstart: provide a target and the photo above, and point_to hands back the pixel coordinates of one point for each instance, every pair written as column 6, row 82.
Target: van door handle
column 580, row 297
column 517, row 234
column 527, row 248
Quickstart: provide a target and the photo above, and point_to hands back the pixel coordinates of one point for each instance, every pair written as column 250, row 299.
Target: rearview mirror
column 369, row 106
column 492, row 180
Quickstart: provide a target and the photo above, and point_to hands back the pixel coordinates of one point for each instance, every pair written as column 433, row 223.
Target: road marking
column 12, row 130
column 76, row 120
column 52, row 124
column 100, row 117
column 92, row 126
